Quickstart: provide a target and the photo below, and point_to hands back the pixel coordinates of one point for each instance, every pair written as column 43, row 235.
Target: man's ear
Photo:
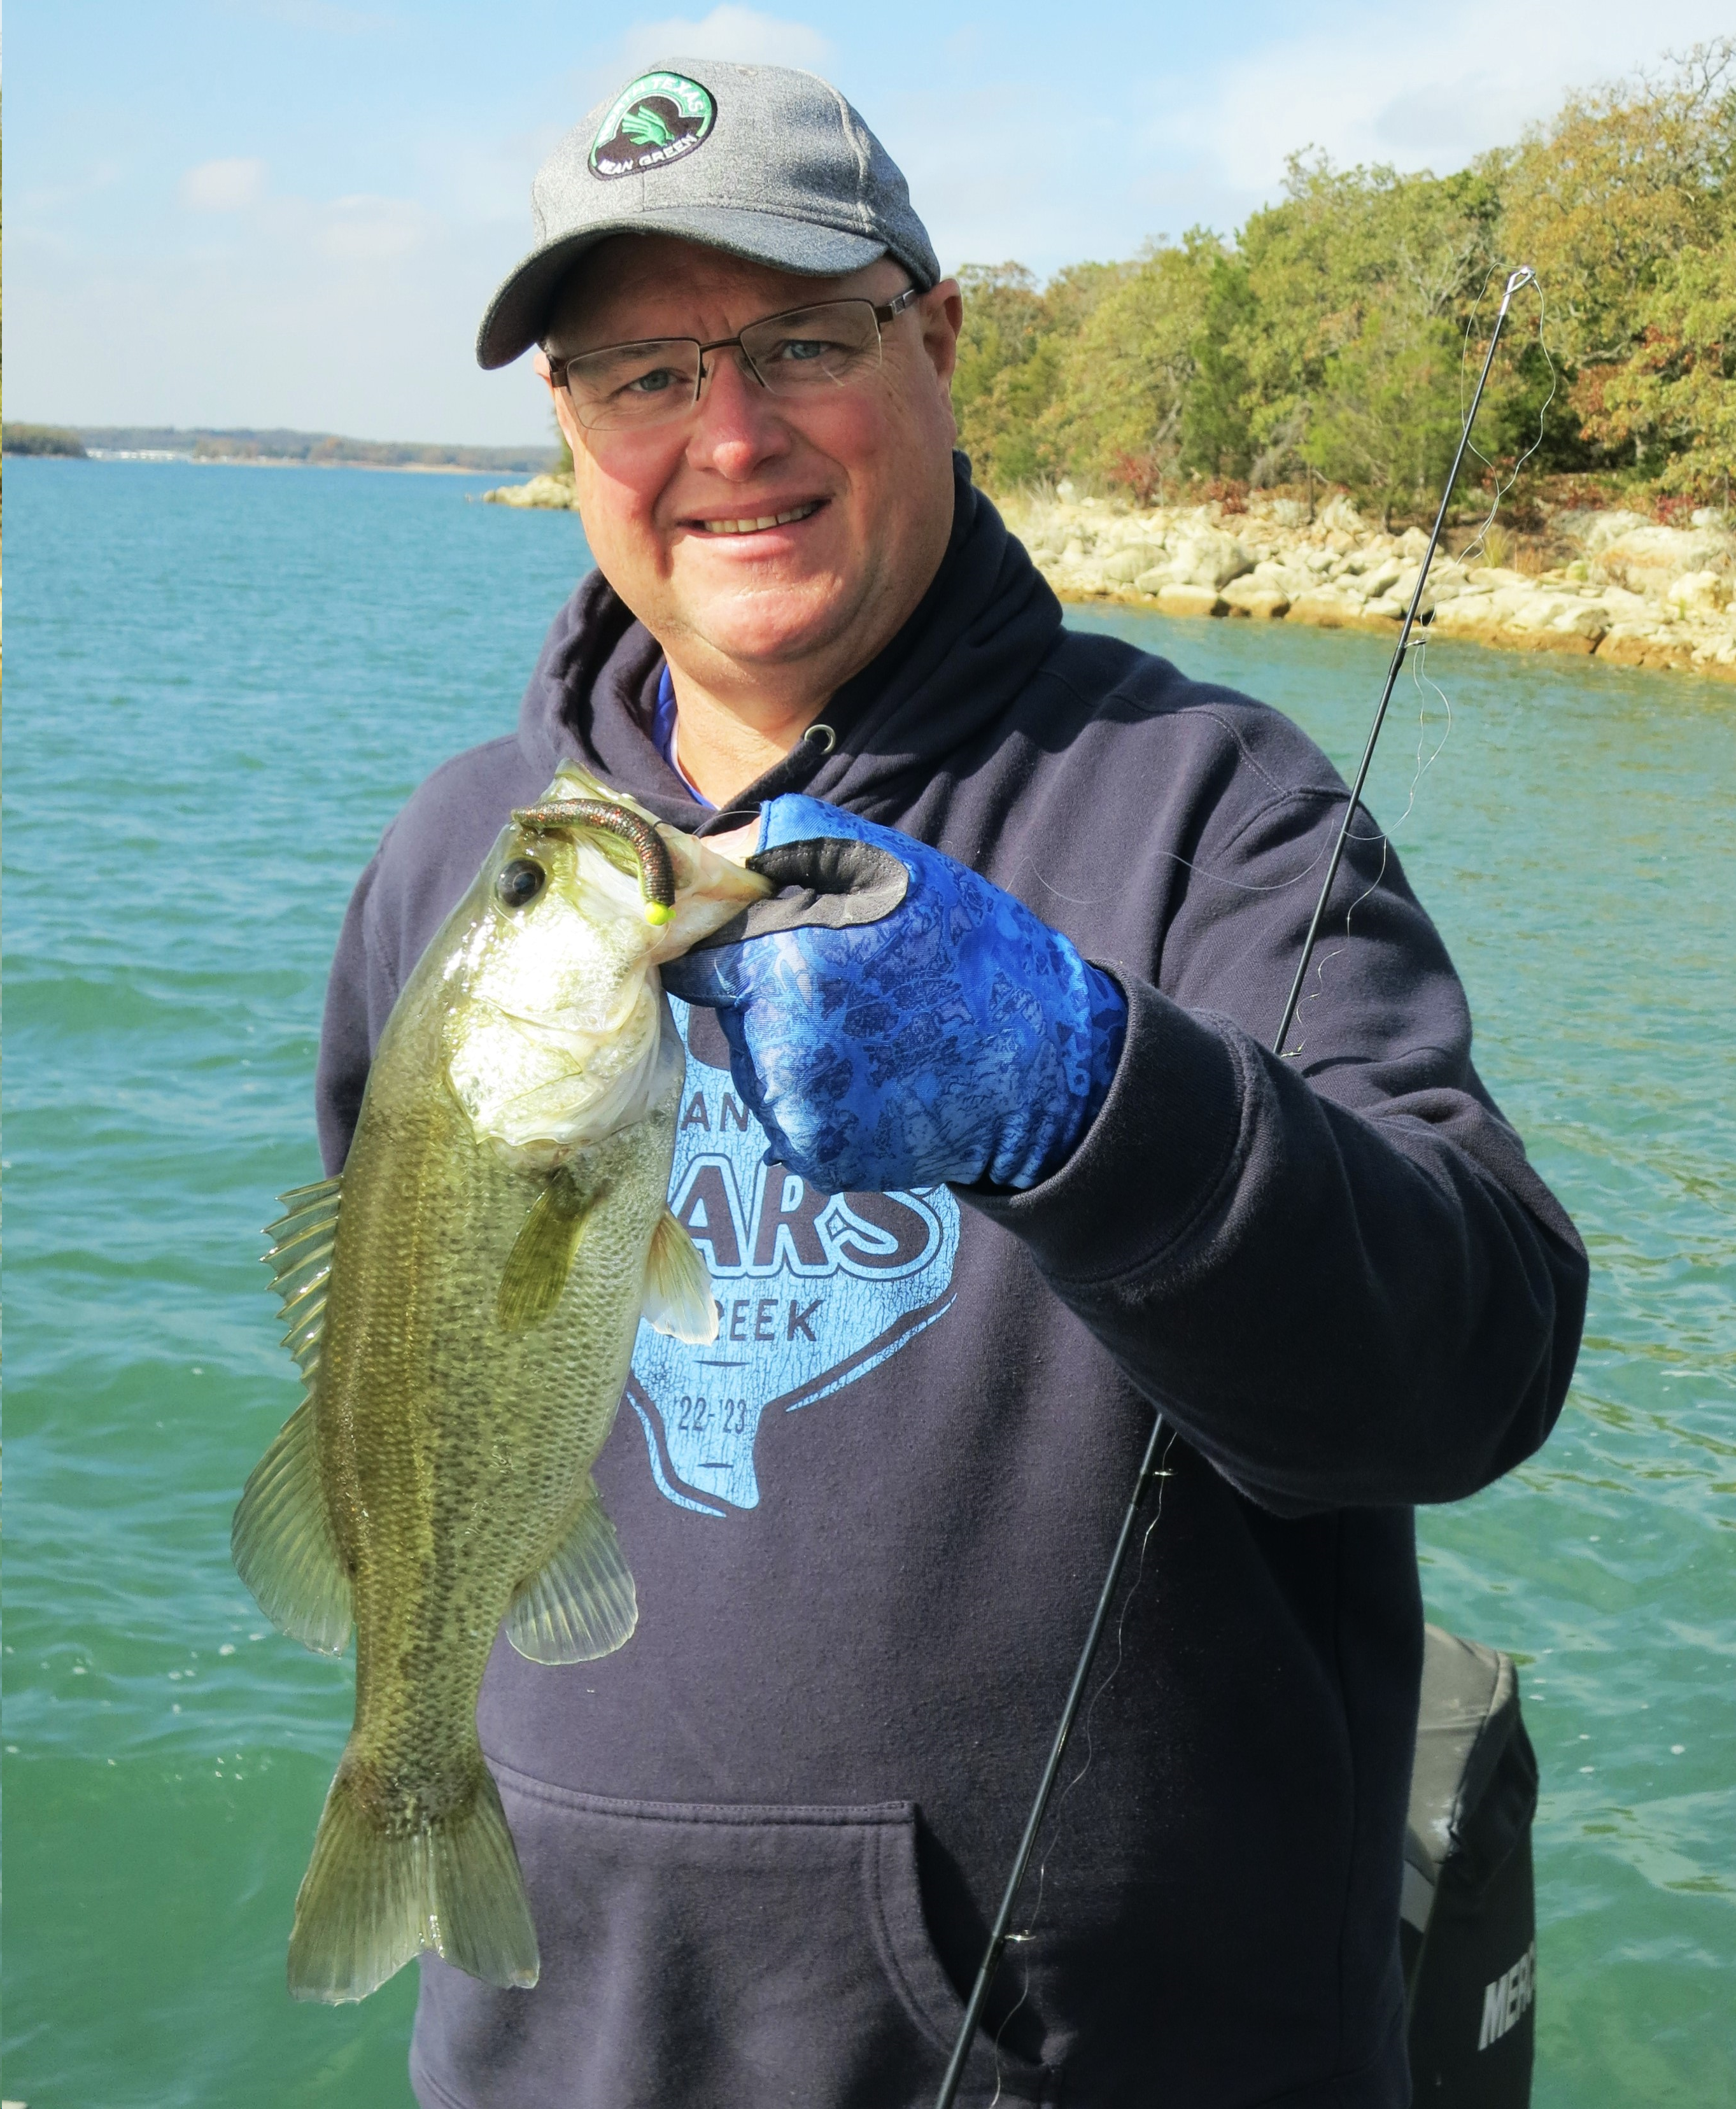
column 942, row 310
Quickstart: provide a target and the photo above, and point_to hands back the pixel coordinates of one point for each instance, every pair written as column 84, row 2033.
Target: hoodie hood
column 987, row 623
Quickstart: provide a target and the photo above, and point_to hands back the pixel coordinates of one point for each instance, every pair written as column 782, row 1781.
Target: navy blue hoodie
column 762, row 1842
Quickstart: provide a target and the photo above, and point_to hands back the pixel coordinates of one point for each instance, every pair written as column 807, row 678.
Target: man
column 1032, row 1171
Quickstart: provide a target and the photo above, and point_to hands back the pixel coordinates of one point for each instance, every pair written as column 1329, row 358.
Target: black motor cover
column 1468, row 1925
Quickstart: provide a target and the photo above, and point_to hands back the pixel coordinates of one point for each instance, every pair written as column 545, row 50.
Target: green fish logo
column 656, row 121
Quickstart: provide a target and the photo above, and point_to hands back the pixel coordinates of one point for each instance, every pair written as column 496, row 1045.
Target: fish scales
column 501, row 1223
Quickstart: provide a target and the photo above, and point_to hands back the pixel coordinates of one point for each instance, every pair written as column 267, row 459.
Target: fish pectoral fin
column 283, row 1542
column 301, row 1263
column 678, row 1290
column 582, row 1603
column 541, row 1258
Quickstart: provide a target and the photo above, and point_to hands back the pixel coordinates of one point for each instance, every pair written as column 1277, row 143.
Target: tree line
column 1337, row 333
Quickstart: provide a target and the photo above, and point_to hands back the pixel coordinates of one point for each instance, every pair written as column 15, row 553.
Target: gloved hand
column 953, row 1036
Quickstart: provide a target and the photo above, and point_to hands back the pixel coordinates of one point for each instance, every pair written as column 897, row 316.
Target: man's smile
column 757, row 523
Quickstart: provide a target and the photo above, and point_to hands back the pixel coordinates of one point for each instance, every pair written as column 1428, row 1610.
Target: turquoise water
column 222, row 684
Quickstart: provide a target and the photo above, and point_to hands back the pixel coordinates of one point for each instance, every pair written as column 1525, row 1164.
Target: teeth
column 754, row 527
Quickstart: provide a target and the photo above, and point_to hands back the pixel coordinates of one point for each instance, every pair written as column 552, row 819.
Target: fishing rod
column 1524, row 276
column 1000, row 1933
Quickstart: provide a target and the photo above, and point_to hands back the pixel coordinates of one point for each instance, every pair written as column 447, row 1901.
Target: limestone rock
column 551, row 493
column 1325, row 609
column 1700, row 593
column 1176, row 599
column 1210, row 560
column 1637, row 593
column 1132, row 561
column 1252, row 596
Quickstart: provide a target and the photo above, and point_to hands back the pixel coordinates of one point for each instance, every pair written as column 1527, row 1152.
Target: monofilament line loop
column 1524, row 275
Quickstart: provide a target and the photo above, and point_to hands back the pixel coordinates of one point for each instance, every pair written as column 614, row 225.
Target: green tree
column 1620, row 182
column 1385, row 415
column 1126, row 370
column 1673, row 399
column 1355, row 273
column 1217, row 405
column 1341, row 328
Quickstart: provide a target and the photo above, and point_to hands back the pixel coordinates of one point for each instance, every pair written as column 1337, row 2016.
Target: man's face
column 865, row 467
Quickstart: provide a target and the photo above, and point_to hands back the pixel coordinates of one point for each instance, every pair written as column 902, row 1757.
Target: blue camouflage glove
column 899, row 1021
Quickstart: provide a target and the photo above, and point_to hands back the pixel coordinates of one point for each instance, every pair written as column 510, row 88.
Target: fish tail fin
column 373, row 1899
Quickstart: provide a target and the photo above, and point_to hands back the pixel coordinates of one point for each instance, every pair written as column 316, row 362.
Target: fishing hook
column 999, row 1934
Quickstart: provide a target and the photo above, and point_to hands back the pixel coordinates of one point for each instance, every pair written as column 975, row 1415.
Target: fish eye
column 519, row 883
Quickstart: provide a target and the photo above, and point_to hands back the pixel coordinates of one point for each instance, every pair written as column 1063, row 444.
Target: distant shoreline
column 252, row 446
column 143, row 459
column 155, row 460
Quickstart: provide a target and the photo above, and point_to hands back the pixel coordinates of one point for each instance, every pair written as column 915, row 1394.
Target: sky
column 293, row 212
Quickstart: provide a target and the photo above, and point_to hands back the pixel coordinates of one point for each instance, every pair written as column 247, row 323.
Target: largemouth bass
column 462, row 1304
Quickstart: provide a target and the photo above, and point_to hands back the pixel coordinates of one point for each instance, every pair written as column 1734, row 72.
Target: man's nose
column 738, row 428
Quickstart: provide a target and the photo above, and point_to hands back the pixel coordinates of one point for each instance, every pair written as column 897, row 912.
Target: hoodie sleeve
column 360, row 995
column 1336, row 1273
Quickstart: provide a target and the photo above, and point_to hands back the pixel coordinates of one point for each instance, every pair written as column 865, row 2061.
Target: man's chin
column 773, row 625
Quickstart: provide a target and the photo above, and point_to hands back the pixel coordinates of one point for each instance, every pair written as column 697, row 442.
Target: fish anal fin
column 581, row 1604
column 678, row 1289
column 283, row 1542
column 374, row 1896
column 541, row 1258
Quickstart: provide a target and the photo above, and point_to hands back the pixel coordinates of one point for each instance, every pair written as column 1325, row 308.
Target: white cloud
column 1442, row 90
column 373, row 230
column 223, row 185
column 729, row 32
column 1017, row 166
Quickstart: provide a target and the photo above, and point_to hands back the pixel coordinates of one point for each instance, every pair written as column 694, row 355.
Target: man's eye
column 657, row 383
column 800, row 351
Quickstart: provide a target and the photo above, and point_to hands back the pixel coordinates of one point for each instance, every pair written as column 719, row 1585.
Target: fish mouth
column 656, row 871
column 757, row 523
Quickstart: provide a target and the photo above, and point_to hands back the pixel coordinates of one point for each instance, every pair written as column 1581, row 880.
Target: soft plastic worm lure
column 656, row 873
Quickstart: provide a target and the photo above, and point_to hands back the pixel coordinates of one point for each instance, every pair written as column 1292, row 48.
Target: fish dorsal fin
column 541, row 1258
column 678, row 1290
column 582, row 1603
column 283, row 1545
column 301, row 1263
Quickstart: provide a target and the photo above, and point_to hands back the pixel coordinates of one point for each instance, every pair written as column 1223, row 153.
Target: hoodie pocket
column 697, row 1956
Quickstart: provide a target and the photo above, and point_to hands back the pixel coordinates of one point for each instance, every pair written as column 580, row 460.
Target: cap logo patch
column 656, row 119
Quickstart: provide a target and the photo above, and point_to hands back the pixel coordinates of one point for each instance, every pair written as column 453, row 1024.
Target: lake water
column 222, row 683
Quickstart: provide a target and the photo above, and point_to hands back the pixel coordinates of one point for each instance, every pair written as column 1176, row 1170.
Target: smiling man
column 987, row 1158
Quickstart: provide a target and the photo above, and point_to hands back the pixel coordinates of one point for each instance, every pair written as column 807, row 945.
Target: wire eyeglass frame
column 607, row 414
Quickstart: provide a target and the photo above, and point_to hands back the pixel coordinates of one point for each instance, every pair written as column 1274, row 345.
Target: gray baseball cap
column 760, row 161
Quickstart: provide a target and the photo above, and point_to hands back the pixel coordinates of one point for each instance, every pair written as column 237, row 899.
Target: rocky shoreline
column 1610, row 585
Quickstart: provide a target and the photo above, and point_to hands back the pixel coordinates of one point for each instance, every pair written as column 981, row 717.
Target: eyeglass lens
column 645, row 384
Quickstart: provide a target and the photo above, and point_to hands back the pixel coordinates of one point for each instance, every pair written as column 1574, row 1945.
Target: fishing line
column 1418, row 646
column 1029, row 1931
column 999, row 1932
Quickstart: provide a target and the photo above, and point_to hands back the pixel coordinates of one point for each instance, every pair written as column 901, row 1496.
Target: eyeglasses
column 798, row 353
